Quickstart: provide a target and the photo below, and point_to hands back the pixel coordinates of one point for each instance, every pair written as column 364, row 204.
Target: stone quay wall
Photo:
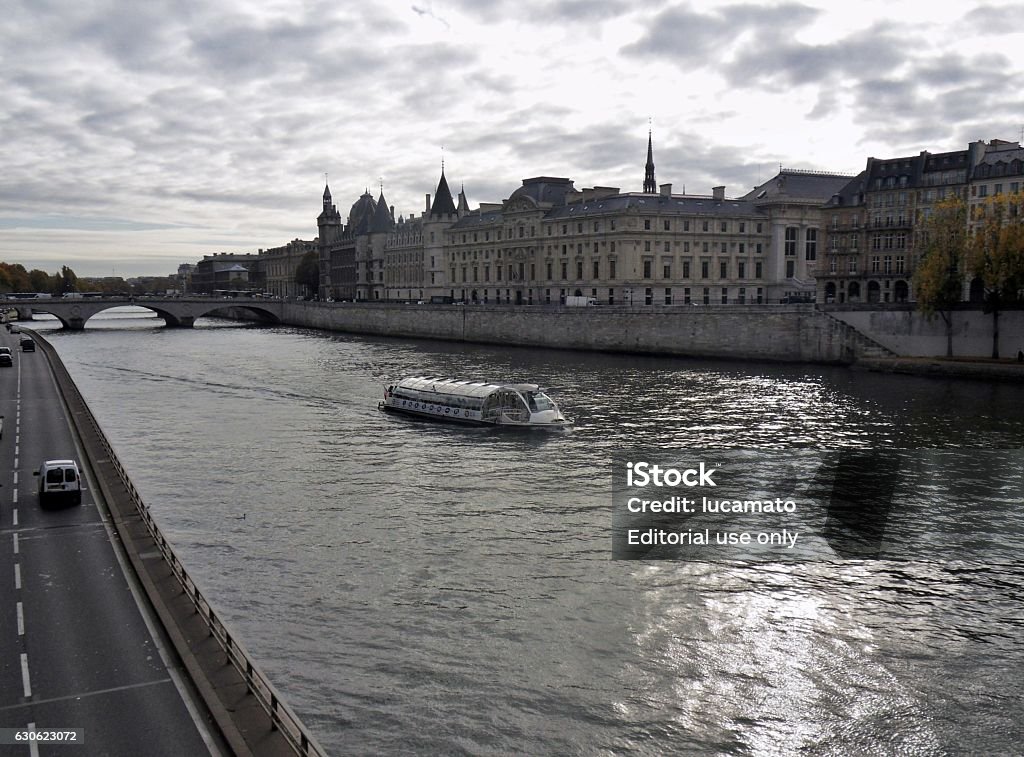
column 792, row 333
column 908, row 333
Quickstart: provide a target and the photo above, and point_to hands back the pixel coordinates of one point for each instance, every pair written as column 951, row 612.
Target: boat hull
column 426, row 415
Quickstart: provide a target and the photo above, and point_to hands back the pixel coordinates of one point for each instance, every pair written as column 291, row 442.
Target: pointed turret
column 327, row 197
column 383, row 220
column 443, row 205
column 463, row 204
column 649, row 186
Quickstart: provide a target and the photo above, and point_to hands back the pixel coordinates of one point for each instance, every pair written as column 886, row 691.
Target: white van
column 59, row 480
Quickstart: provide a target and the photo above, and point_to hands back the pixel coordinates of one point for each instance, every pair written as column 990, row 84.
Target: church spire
column 649, row 186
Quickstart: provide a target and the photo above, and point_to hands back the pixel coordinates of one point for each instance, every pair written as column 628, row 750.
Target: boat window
column 539, row 402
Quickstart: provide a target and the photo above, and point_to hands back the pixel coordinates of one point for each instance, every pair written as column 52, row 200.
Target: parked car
column 28, row 344
column 59, row 480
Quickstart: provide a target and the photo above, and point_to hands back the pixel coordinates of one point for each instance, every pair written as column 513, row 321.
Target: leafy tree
column 996, row 256
column 40, row 281
column 307, row 273
column 937, row 280
column 67, row 280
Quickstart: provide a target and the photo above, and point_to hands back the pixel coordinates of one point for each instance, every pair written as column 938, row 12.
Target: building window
column 668, row 296
column 887, row 264
column 686, row 269
column 565, row 270
column 876, row 264
column 611, row 269
column 741, row 269
column 686, row 296
column 790, row 269
column 647, row 224
column 549, row 271
column 704, row 225
column 647, row 246
column 723, row 269
column 666, row 247
column 647, row 269
column 725, row 296
column 851, row 265
column 791, row 234
column 722, row 227
column 648, row 296
column 811, row 245
column 899, row 264
column 579, row 269
column 597, row 269
column 707, row 296
column 686, row 225
column 666, row 271
column 666, row 225
column 705, row 269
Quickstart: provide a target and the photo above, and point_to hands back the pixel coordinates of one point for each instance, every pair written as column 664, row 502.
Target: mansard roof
column 791, row 184
column 852, row 194
column 683, row 205
column 443, row 204
column 1006, row 161
column 544, row 190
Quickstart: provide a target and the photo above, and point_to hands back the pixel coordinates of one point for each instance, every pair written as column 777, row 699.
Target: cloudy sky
column 135, row 136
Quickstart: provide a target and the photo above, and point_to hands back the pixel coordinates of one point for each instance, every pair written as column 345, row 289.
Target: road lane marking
column 33, row 746
column 17, row 576
column 14, row 496
column 25, row 683
column 15, row 478
column 21, row 619
column 15, row 544
column 14, row 516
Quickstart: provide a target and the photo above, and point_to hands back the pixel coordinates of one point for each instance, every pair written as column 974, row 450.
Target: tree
column 937, row 280
column 996, row 255
column 307, row 273
column 67, row 280
column 40, row 281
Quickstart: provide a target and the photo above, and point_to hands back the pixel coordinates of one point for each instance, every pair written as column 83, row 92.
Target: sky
column 135, row 136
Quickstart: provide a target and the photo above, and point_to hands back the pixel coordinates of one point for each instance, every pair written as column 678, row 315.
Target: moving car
column 28, row 344
column 6, row 361
column 59, row 480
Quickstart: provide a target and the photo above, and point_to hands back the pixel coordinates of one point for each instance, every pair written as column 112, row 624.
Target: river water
column 415, row 588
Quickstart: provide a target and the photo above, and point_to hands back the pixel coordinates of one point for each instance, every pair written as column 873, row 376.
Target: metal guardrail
column 281, row 715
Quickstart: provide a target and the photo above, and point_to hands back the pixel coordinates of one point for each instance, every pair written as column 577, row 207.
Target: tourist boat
column 473, row 402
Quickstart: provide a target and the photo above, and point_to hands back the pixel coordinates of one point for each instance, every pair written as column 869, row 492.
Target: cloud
column 994, row 19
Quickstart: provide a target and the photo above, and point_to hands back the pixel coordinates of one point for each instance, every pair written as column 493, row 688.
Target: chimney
column 718, row 193
column 666, row 190
column 428, row 202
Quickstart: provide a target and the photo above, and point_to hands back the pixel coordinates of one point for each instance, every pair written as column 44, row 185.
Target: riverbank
column 970, row 368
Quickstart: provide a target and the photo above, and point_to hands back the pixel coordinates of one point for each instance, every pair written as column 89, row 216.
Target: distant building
column 280, row 264
column 227, row 271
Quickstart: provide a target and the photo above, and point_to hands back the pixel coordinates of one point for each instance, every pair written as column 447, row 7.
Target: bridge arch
column 176, row 312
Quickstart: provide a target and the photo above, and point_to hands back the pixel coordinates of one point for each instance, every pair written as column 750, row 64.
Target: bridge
column 176, row 311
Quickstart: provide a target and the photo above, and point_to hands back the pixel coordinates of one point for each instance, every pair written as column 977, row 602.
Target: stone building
column 548, row 241
column 280, row 265
column 872, row 225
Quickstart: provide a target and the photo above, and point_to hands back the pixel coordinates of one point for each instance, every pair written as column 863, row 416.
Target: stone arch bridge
column 176, row 311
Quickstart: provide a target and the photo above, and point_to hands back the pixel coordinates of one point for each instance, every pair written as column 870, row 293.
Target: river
column 415, row 588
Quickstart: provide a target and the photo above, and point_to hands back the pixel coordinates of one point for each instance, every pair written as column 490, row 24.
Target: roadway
column 79, row 646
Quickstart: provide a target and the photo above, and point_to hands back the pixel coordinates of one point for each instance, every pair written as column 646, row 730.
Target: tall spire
column 649, row 186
